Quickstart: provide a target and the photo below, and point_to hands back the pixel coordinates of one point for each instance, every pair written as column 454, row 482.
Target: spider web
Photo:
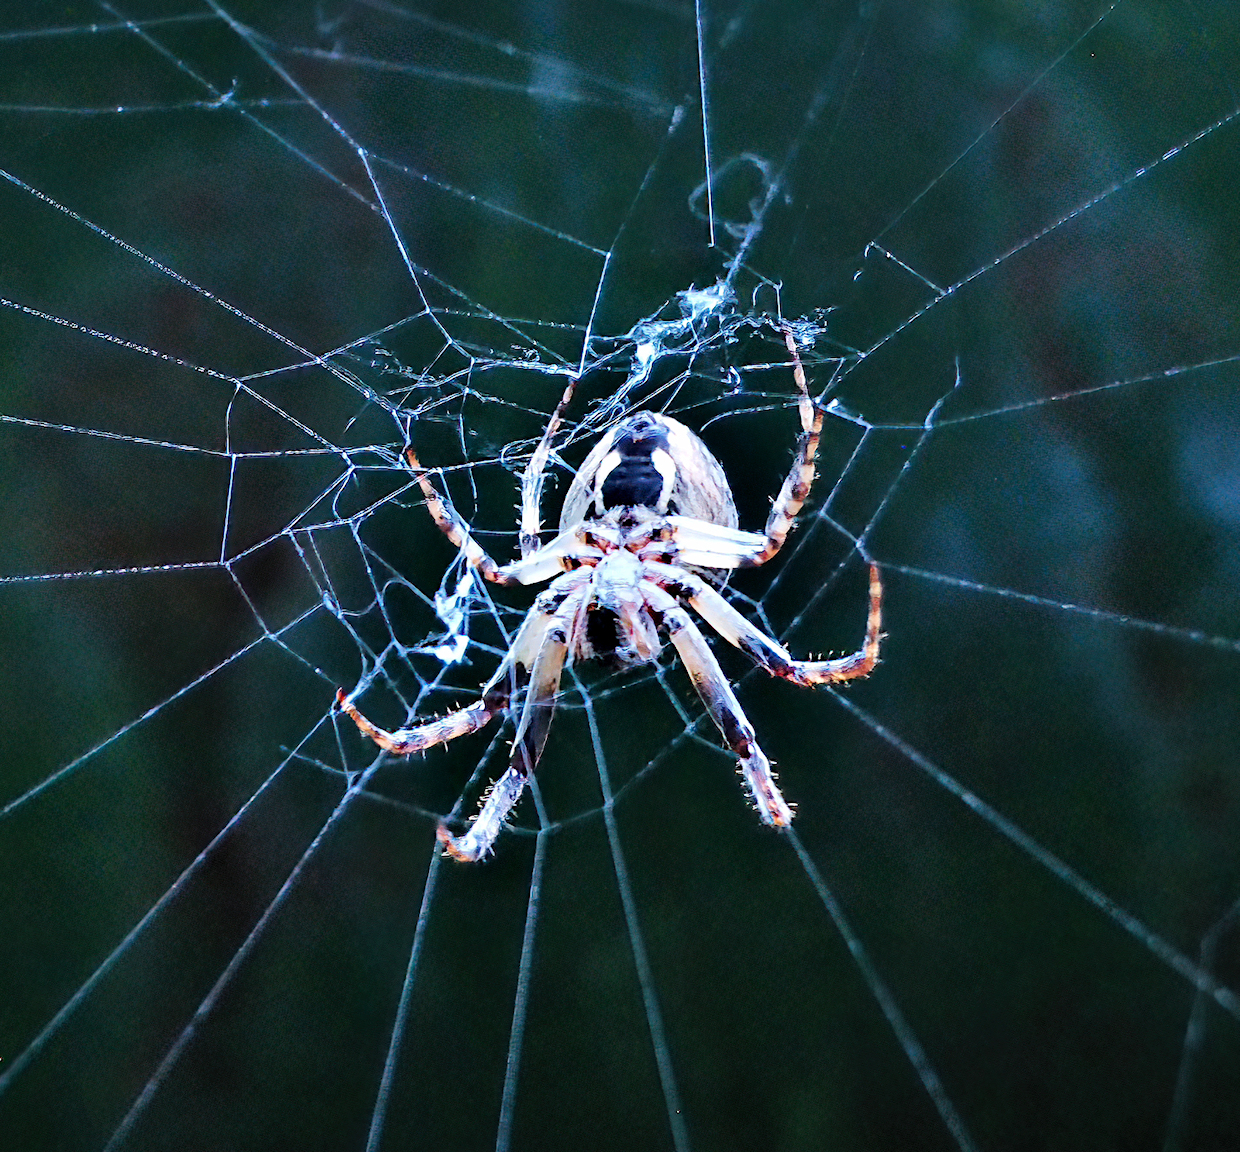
column 252, row 251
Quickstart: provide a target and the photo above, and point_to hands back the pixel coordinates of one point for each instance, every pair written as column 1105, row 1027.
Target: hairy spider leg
column 417, row 739
column 759, row 647
column 721, row 702
column 453, row 527
column 511, row 675
column 532, row 477
column 565, row 552
column 801, row 476
column 528, row 743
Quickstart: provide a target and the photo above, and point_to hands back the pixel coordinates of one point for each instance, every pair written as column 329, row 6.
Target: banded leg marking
column 801, row 477
column 532, row 477
column 453, row 527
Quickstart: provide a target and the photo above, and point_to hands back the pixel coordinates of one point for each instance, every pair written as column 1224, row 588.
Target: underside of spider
column 648, row 513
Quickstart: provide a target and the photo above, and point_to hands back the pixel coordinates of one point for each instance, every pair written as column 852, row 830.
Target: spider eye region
column 638, row 471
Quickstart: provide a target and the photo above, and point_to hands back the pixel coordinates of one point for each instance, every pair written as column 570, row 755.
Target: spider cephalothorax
column 647, row 517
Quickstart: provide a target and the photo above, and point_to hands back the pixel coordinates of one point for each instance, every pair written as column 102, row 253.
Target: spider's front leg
column 801, row 476
column 565, row 552
column 532, row 477
column 721, row 702
column 453, row 527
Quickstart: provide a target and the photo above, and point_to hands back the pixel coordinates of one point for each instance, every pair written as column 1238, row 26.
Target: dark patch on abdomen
column 635, row 480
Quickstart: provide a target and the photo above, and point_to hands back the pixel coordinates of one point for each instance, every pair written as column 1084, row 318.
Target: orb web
column 254, row 251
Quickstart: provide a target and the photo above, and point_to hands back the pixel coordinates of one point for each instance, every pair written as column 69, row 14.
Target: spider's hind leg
column 520, row 664
column 527, row 746
column 497, row 692
column 724, row 708
column 405, row 741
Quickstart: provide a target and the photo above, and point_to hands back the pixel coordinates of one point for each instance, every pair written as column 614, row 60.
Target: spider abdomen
column 649, row 460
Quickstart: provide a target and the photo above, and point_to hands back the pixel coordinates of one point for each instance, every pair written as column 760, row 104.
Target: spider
column 648, row 517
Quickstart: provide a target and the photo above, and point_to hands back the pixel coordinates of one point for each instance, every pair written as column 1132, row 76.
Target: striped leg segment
column 797, row 485
column 453, row 527
column 532, row 477
column 408, row 740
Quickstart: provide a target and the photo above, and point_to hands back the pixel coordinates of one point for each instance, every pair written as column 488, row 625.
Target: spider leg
column 532, row 477
column 566, row 551
column 725, row 710
column 797, row 484
column 453, row 527
column 497, row 691
column 695, row 542
column 528, row 743
column 404, row 741
column 759, row 647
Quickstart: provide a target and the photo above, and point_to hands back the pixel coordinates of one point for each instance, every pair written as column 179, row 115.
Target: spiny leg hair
column 408, row 740
column 801, row 476
column 527, row 745
column 767, row 653
column 721, row 702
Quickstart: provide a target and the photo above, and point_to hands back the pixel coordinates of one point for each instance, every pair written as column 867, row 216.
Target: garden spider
column 648, row 511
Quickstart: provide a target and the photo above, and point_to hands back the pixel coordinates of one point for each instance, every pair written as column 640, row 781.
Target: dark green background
column 970, row 140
